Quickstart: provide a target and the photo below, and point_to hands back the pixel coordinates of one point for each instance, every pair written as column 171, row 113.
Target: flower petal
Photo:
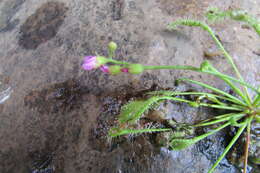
column 88, row 59
column 104, row 68
column 89, row 63
column 125, row 70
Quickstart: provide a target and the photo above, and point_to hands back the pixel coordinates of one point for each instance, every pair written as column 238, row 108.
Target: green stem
column 229, row 58
column 240, row 130
column 233, row 86
column 183, row 67
column 179, row 67
column 219, row 44
column 221, row 107
column 224, row 77
column 221, row 47
column 211, row 33
column 111, row 54
column 186, row 67
column 172, row 67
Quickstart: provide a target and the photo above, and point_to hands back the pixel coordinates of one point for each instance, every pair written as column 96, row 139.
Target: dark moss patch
column 42, row 25
column 55, row 98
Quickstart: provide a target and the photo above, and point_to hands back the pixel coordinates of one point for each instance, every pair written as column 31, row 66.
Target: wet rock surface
column 60, row 97
column 57, row 115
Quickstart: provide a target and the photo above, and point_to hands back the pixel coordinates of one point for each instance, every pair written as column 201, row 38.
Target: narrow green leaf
column 255, row 160
column 235, row 117
column 207, row 28
column 227, row 107
column 178, row 144
column 218, row 117
column 257, row 98
column 207, row 67
column 196, row 104
column 238, row 101
column 235, row 80
column 177, row 93
column 240, row 130
column 257, row 118
column 115, row 132
column 233, row 122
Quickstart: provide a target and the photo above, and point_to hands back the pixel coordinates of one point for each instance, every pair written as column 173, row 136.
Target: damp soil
column 55, row 117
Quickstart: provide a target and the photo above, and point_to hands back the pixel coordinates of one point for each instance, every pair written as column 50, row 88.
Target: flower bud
column 112, row 46
column 114, row 69
column 93, row 62
column 135, row 68
column 125, row 70
column 104, row 68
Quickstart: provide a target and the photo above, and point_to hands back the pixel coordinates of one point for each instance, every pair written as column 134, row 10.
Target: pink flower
column 104, row 68
column 125, row 70
column 90, row 63
column 93, row 62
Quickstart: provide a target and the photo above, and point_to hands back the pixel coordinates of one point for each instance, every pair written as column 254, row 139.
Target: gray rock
column 8, row 8
column 58, row 109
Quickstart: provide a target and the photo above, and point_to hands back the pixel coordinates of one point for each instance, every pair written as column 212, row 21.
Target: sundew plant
column 242, row 109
